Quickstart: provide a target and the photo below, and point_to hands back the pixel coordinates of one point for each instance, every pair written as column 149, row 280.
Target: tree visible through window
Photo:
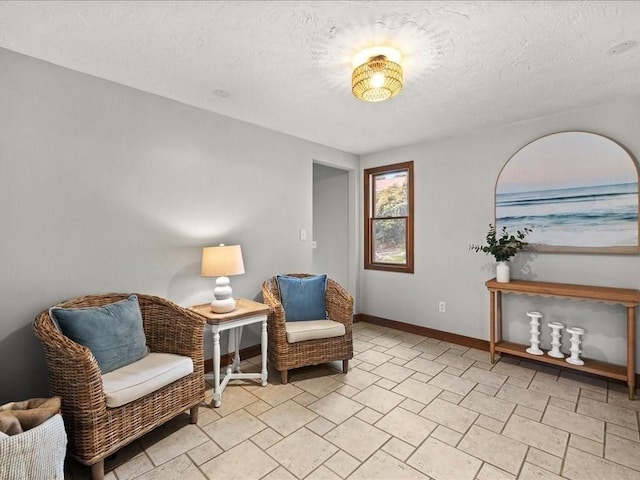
column 388, row 202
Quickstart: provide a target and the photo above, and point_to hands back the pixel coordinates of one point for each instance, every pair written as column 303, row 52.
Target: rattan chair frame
column 285, row 356
column 94, row 430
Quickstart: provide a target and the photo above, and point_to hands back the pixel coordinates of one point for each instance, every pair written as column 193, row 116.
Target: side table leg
column 236, row 360
column 263, row 350
column 231, row 345
column 217, row 394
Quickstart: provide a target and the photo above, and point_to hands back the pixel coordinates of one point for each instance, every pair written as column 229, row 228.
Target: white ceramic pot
column 502, row 272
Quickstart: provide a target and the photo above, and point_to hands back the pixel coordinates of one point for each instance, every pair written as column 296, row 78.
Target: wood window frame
column 369, row 263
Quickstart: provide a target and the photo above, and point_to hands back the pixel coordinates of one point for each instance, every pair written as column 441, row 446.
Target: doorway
column 332, row 239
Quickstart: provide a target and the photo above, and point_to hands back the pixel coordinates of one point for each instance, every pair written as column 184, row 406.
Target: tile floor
column 410, row 407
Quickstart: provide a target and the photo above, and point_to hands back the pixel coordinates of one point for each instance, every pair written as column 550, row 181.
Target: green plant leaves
column 502, row 245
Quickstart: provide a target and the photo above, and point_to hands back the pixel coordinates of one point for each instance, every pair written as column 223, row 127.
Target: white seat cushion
column 313, row 329
column 147, row 375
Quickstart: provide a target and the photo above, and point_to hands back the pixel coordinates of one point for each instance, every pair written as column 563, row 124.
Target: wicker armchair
column 94, row 430
column 285, row 356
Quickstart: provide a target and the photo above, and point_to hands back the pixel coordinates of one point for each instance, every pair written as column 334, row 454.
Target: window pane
column 389, row 241
column 390, row 194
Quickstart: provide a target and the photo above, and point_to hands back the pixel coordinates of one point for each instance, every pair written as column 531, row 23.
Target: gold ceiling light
column 379, row 77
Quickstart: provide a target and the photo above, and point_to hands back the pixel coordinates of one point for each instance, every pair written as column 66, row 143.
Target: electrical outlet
column 442, row 307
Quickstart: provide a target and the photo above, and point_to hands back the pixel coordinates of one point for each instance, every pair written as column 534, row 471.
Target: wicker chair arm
column 339, row 303
column 74, row 374
column 276, row 321
column 170, row 328
column 276, row 324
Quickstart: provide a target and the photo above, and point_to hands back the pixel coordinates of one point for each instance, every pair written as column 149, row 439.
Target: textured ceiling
column 286, row 65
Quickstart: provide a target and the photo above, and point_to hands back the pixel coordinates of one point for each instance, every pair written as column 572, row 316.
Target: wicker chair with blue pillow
column 112, row 396
column 310, row 328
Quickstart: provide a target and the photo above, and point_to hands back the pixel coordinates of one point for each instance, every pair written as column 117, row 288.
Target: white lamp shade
column 222, row 261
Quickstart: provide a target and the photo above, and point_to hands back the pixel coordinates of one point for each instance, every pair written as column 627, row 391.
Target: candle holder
column 555, row 352
column 534, row 349
column 575, row 332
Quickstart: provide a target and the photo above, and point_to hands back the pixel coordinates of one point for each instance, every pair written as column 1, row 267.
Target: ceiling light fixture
column 377, row 75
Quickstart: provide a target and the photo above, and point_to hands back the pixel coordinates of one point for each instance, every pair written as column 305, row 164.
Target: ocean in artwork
column 588, row 216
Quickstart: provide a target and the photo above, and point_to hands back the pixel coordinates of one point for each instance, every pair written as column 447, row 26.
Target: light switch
column 303, row 234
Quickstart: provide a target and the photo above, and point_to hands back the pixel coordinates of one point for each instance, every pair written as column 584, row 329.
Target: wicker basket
column 36, row 453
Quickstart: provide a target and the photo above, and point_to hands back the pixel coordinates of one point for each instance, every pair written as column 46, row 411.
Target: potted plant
column 503, row 246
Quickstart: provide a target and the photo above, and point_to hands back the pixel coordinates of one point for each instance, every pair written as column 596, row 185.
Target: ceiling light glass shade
column 377, row 79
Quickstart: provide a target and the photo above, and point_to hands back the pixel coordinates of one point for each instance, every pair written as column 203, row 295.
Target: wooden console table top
column 625, row 296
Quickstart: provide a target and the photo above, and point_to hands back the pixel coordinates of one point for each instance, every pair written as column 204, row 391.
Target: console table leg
column 631, row 354
column 492, row 326
column 498, row 317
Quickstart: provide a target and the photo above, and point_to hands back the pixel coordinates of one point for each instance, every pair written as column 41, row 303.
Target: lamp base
column 223, row 301
column 223, row 306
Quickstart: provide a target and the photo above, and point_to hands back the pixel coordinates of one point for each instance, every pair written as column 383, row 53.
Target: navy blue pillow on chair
column 303, row 297
column 112, row 332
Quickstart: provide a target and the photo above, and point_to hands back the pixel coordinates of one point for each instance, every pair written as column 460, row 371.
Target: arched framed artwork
column 578, row 191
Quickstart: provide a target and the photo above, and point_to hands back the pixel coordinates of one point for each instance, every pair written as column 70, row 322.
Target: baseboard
column 227, row 358
column 424, row 331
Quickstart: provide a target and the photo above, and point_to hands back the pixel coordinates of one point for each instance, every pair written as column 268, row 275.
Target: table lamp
column 222, row 261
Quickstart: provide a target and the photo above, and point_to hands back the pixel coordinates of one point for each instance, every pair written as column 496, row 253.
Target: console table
column 628, row 298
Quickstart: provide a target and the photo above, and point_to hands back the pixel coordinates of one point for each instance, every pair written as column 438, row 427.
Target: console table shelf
column 619, row 372
column 629, row 298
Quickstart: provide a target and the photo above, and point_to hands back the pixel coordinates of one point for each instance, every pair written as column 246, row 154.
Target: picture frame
column 576, row 190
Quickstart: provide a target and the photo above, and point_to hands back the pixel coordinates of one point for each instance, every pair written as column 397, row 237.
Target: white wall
column 454, row 203
column 105, row 188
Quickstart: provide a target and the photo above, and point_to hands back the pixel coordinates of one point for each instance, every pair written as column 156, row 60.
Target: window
column 388, row 215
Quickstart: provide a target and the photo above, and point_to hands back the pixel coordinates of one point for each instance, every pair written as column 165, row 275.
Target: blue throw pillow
column 303, row 298
column 112, row 332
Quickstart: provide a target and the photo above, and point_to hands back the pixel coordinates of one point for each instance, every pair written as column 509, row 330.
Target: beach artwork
column 578, row 191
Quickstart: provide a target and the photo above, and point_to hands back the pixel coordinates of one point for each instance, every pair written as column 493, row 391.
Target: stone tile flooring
column 410, row 408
